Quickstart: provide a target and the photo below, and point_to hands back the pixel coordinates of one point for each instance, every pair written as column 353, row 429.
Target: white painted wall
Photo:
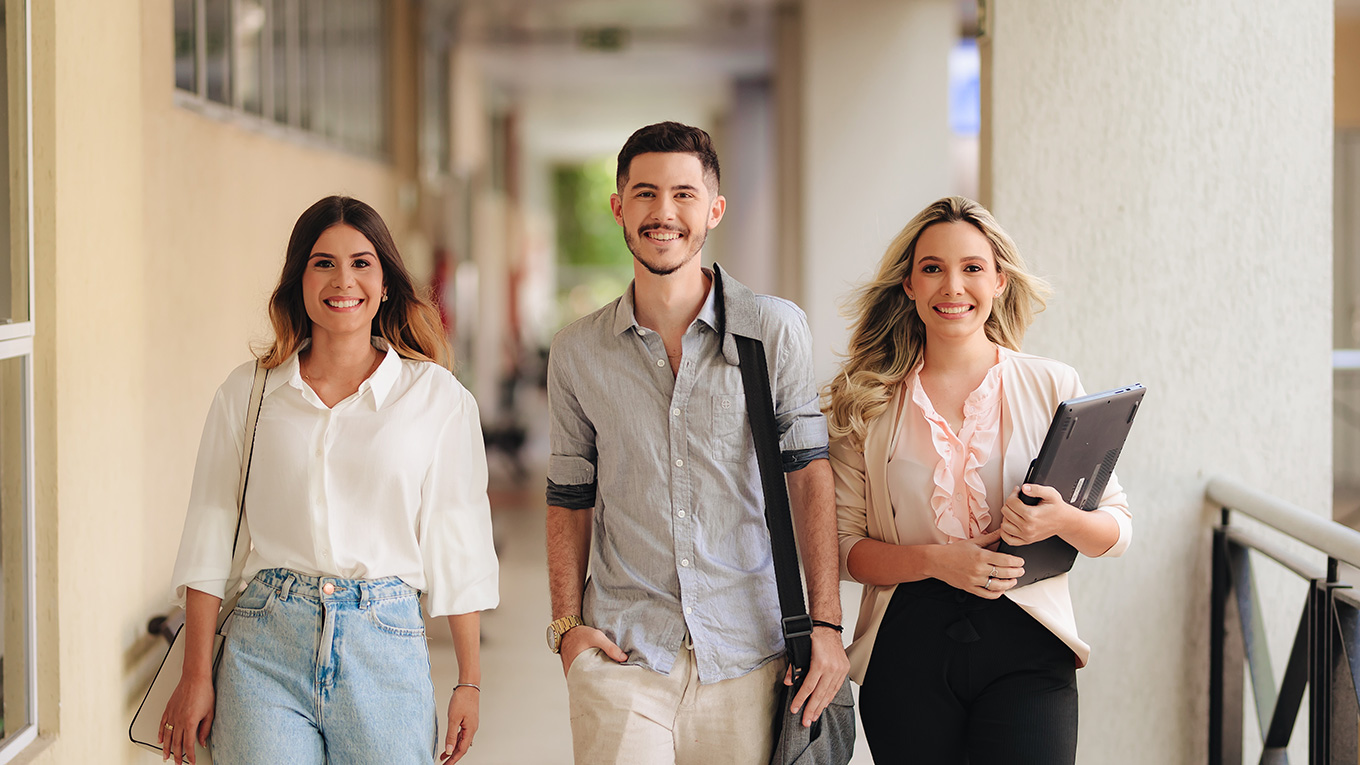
column 875, row 142
column 1168, row 166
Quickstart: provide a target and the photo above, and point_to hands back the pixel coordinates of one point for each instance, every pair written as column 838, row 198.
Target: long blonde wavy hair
column 888, row 338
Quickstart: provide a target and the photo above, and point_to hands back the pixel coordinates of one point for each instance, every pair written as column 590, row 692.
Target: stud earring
column 384, row 297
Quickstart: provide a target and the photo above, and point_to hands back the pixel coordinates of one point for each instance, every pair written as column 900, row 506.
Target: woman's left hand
column 463, row 721
column 1023, row 524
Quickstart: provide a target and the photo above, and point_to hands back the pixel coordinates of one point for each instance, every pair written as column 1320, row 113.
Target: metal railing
column 1325, row 656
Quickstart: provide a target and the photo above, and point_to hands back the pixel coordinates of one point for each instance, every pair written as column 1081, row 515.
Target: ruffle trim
column 973, row 445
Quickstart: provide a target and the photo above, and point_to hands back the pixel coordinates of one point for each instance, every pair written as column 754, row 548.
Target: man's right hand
column 579, row 639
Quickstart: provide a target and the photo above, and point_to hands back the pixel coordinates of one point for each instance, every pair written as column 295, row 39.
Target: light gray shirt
column 668, row 462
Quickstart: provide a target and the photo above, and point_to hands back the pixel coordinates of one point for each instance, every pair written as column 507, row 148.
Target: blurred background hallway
column 1186, row 174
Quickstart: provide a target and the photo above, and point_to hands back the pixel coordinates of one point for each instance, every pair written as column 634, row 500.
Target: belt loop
column 363, row 594
column 287, row 587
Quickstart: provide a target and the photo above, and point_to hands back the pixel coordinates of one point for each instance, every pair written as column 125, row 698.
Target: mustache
column 658, row 226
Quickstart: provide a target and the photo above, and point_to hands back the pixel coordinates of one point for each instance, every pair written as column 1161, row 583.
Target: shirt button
column 675, row 412
column 661, row 362
column 727, row 403
column 688, row 610
column 684, row 562
column 328, row 588
column 680, row 513
column 958, row 497
column 679, row 463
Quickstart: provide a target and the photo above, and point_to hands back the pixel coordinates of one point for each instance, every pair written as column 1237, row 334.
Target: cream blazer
column 1032, row 388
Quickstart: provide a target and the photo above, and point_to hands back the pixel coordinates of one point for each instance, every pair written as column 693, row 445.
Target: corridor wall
column 159, row 232
column 1169, row 167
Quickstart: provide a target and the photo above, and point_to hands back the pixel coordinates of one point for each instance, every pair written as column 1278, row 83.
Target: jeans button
column 328, row 588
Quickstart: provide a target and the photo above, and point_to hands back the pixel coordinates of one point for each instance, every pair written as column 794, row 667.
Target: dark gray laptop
column 1083, row 443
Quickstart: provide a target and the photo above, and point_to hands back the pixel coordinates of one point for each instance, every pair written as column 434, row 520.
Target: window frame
column 16, row 342
column 326, row 126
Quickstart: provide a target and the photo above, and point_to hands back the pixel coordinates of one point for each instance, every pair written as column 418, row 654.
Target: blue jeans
column 325, row 670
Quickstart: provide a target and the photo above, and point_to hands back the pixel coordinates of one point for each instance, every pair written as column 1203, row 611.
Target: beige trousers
column 628, row 714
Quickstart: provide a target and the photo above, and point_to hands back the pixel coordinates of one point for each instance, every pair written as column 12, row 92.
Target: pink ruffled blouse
column 951, row 473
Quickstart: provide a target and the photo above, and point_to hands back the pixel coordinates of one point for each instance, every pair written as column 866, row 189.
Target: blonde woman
column 934, row 418
column 367, row 487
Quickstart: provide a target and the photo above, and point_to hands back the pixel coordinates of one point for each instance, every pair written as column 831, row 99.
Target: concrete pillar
column 875, row 140
column 1168, row 166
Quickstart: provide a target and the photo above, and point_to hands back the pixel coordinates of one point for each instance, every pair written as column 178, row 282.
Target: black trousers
column 958, row 679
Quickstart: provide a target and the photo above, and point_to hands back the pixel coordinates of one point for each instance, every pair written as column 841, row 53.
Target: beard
column 634, row 242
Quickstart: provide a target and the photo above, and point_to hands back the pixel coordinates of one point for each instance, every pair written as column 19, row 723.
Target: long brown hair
column 406, row 320
column 889, row 338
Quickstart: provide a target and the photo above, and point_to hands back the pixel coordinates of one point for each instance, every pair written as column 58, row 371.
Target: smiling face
column 953, row 281
column 343, row 282
column 666, row 208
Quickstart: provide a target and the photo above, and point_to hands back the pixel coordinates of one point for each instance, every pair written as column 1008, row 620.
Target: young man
column 672, row 649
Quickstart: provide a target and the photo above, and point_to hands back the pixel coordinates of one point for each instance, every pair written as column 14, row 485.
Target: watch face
column 552, row 639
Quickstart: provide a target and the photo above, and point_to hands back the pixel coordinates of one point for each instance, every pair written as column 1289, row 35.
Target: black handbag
column 830, row 740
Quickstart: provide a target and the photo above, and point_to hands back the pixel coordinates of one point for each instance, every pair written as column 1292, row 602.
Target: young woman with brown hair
column 367, row 487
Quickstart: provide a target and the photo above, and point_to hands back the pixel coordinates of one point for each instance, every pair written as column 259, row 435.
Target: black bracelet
column 828, row 625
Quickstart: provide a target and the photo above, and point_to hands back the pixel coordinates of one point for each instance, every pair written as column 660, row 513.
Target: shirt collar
column 740, row 315
column 625, row 315
column 380, row 382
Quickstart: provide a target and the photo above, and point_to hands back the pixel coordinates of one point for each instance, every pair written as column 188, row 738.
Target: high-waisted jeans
column 325, row 670
column 957, row 679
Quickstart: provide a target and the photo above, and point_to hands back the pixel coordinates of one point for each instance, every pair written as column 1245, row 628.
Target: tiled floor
column 524, row 697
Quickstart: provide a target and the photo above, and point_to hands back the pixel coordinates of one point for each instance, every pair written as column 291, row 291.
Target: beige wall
column 1169, row 166
column 1348, row 71
column 875, row 142
column 159, row 233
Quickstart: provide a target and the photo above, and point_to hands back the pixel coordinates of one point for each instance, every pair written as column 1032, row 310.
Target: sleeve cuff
column 797, row 459
column 1125, row 532
column 578, row 496
column 805, row 432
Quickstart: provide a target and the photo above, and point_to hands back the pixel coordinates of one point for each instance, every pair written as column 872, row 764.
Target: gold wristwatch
column 560, row 627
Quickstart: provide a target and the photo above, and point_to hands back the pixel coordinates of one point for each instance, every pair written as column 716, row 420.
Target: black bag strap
column 755, row 379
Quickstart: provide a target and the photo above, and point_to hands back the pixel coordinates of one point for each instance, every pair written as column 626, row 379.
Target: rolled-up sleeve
column 462, row 574
column 797, row 405
column 852, row 516
column 571, row 436
column 205, row 547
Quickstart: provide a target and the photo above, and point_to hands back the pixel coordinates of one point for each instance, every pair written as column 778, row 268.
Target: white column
column 1168, row 166
column 875, row 141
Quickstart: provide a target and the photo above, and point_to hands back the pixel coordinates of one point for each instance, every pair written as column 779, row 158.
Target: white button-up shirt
column 389, row 482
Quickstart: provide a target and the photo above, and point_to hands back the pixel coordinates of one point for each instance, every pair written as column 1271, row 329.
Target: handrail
column 1329, row 537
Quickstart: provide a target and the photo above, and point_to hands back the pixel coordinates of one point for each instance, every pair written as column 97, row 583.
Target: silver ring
column 988, row 585
column 993, row 574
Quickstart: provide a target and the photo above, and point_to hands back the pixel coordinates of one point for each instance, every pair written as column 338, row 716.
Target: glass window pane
column 247, row 57
column 15, row 610
column 375, row 62
column 186, row 65
column 217, row 17
column 313, row 35
column 339, row 60
column 333, row 76
column 281, row 27
column 14, row 276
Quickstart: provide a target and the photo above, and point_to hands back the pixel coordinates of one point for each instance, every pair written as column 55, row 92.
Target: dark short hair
column 668, row 137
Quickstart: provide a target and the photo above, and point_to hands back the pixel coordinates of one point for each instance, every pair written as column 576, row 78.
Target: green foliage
column 594, row 265
column 586, row 232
